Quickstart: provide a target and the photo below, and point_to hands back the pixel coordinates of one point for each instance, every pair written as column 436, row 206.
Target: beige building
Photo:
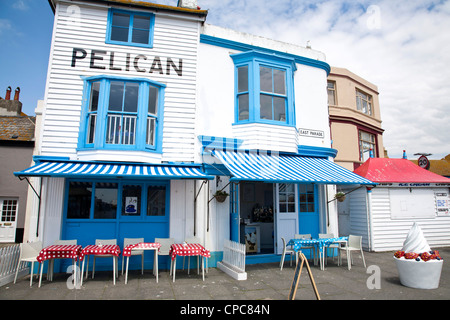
column 355, row 118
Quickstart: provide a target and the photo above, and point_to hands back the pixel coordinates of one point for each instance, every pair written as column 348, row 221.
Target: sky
column 403, row 47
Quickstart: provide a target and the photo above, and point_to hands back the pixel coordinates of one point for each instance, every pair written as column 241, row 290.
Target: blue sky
column 403, row 47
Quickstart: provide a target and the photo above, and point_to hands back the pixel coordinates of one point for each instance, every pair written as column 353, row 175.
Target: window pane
column 141, row 22
column 156, row 201
column 95, row 88
column 150, row 139
column 91, row 128
column 105, row 206
column 266, row 107
column 140, row 36
column 131, row 97
column 121, row 19
column 153, row 101
column 119, row 34
column 131, row 200
column 79, row 203
column 279, row 105
column 279, row 81
column 116, row 96
column 265, row 78
column 129, row 129
column 243, row 107
column 113, row 129
column 243, row 79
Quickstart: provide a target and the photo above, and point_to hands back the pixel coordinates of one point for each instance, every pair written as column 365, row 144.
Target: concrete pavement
column 264, row 282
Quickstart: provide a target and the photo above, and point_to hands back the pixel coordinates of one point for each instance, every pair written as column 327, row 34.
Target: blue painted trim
column 224, row 43
column 311, row 151
column 254, row 60
column 101, row 114
column 130, row 28
column 219, row 142
column 216, row 170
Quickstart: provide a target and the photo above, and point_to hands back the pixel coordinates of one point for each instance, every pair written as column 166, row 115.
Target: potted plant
column 220, row 195
column 340, row 196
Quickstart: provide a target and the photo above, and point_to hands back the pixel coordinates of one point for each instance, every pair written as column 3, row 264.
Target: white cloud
column 402, row 47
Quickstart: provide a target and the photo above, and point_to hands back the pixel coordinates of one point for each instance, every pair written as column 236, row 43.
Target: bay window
column 122, row 114
column 264, row 88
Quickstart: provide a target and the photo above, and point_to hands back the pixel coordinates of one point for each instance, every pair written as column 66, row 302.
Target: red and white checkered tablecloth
column 141, row 245
column 59, row 251
column 109, row 249
column 189, row 249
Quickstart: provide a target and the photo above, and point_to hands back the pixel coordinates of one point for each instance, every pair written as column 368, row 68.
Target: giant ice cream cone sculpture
column 418, row 266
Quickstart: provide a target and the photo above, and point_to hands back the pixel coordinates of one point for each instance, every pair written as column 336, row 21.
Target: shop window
column 122, row 114
column 156, row 201
column 108, row 200
column 105, row 201
column 287, row 197
column 130, row 28
column 264, row 89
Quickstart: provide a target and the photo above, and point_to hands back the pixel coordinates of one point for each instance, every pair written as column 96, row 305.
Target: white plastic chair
column 165, row 248
column 354, row 244
column 128, row 241
column 66, row 242
column 192, row 240
column 332, row 246
column 311, row 248
column 29, row 252
column 288, row 251
column 115, row 264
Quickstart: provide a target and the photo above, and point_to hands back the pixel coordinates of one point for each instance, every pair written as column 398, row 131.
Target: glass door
column 286, row 213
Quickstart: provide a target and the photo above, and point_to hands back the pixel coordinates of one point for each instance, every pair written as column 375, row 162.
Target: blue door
column 234, row 212
column 308, row 210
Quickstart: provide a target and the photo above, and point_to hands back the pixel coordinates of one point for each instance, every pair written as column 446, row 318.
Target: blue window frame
column 122, row 113
column 130, row 28
column 264, row 88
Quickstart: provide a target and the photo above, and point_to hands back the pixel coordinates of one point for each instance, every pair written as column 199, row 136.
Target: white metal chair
column 67, row 242
column 165, row 248
column 311, row 248
column 332, row 246
column 115, row 264
column 127, row 242
column 29, row 253
column 288, row 251
column 354, row 244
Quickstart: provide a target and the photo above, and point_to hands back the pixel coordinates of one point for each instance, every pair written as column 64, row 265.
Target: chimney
column 189, row 4
column 8, row 107
column 16, row 94
column 8, row 93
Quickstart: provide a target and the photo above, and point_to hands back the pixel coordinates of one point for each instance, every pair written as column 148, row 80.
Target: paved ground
column 265, row 282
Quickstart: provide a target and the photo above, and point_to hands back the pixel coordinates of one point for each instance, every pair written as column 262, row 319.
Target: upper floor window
column 130, row 28
column 364, row 102
column 331, row 89
column 122, row 114
column 264, row 89
column 367, row 144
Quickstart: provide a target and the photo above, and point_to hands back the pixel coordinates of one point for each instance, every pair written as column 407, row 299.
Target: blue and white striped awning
column 79, row 169
column 284, row 168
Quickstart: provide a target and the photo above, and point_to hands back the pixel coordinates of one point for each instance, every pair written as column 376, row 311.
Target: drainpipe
column 369, row 218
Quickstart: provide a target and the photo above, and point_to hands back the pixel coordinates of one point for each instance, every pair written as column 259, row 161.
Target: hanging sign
column 423, row 162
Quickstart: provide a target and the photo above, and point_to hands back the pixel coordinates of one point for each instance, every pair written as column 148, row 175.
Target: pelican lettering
column 100, row 59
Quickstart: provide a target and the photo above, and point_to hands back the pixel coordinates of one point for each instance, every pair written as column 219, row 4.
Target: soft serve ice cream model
column 418, row 266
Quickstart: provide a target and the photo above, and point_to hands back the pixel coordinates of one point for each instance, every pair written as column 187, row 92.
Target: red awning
column 385, row 170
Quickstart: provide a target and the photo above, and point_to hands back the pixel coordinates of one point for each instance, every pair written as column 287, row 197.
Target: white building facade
column 149, row 111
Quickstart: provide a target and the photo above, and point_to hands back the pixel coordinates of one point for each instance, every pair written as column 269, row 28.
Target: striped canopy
column 80, row 169
column 284, row 168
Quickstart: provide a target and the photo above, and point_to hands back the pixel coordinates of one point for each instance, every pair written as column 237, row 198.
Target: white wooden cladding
column 173, row 38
